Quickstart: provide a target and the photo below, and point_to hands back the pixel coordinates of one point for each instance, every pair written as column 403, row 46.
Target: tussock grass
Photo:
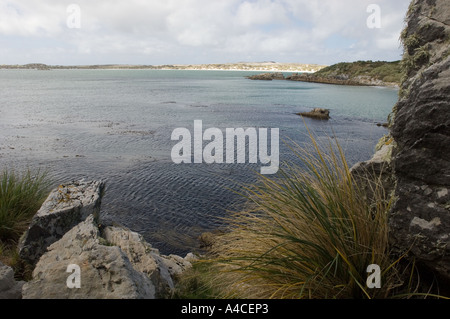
column 21, row 196
column 196, row 283
column 309, row 234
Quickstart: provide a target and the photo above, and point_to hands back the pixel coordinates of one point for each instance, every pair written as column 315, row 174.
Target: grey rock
column 267, row 76
column 106, row 272
column 9, row 287
column 142, row 255
column 175, row 265
column 65, row 207
column 376, row 172
column 146, row 259
column 317, row 113
column 113, row 262
column 420, row 218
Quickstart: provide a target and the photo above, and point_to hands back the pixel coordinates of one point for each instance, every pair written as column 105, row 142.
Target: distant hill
column 356, row 73
column 269, row 66
column 383, row 71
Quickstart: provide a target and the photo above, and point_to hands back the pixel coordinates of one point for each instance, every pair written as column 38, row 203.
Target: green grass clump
column 310, row 234
column 412, row 42
column 413, row 63
column 21, row 196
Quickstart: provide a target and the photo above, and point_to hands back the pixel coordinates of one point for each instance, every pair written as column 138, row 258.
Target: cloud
column 196, row 31
column 260, row 13
column 27, row 19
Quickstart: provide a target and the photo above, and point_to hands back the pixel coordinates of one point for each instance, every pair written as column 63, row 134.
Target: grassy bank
column 21, row 195
column 388, row 72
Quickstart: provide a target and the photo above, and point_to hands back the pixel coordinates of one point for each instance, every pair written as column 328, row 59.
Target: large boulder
column 105, row 271
column 420, row 219
column 65, row 207
column 9, row 287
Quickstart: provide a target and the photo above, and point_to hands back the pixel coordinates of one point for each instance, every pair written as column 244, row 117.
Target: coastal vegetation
column 388, row 72
column 310, row 234
column 359, row 73
column 21, row 195
column 313, row 232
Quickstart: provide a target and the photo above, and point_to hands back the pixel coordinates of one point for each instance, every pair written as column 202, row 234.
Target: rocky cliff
column 420, row 218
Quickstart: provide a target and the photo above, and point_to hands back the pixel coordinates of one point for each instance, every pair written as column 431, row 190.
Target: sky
column 157, row 32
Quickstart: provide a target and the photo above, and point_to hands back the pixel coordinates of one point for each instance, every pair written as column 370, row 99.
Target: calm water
column 117, row 125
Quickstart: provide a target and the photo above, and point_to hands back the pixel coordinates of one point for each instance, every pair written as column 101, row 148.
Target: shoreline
column 241, row 67
column 157, row 69
column 237, row 70
column 312, row 78
column 122, row 149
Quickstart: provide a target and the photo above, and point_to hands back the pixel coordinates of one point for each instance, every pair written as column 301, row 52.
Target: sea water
column 116, row 125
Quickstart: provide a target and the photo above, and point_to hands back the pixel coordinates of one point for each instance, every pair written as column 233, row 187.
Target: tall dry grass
column 311, row 233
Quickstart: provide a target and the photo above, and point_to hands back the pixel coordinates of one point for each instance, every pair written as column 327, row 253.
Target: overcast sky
column 198, row 31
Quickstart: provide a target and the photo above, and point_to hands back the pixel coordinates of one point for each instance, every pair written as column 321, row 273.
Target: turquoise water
column 116, row 125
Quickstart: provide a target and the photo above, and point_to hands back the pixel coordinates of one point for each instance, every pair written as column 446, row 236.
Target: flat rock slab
column 65, row 207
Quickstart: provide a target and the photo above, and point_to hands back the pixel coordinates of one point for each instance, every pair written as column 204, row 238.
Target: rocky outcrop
column 9, row 288
column 342, row 80
column 420, row 218
column 160, row 269
column 267, row 76
column 119, row 265
column 359, row 73
column 113, row 262
column 105, row 271
column 64, row 208
column 317, row 113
